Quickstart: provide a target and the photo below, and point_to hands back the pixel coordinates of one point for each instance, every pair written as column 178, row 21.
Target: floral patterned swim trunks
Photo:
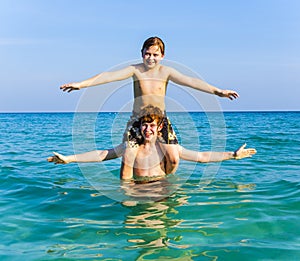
column 133, row 137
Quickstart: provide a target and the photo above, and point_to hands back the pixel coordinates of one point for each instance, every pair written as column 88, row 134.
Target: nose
column 151, row 56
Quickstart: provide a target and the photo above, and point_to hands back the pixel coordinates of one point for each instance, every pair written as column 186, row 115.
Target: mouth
column 147, row 134
column 150, row 62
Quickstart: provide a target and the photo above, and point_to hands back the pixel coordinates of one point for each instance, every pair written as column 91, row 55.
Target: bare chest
column 150, row 87
column 149, row 159
column 153, row 82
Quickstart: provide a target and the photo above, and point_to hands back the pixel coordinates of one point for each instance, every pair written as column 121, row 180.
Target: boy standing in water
column 150, row 80
column 149, row 163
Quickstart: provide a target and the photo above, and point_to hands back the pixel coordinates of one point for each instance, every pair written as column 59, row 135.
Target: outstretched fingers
column 57, row 158
column 233, row 95
column 241, row 152
column 69, row 87
column 251, row 152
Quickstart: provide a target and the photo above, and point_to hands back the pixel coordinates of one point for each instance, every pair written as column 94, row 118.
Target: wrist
column 234, row 155
column 70, row 159
column 218, row 92
column 229, row 155
column 80, row 85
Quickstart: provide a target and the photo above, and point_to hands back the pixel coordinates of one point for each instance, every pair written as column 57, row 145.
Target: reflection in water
column 149, row 192
column 158, row 229
column 149, row 222
column 159, row 220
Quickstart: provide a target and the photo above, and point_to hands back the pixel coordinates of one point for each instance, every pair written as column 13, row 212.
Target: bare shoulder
column 137, row 66
column 168, row 70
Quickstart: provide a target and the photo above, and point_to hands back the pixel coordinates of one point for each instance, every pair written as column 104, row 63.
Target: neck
column 147, row 69
column 149, row 143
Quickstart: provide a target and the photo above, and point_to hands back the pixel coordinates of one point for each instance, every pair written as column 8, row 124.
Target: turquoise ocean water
column 237, row 210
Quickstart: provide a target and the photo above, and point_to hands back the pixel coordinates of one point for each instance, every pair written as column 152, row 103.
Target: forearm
column 200, row 85
column 98, row 79
column 106, row 77
column 205, row 157
column 208, row 88
column 91, row 156
column 98, row 155
column 215, row 156
column 203, row 86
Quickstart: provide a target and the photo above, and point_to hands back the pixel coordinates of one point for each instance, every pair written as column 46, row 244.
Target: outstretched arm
column 100, row 78
column 210, row 156
column 200, row 85
column 92, row 156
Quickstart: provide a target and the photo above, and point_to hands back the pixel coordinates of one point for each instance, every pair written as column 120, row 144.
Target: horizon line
column 212, row 111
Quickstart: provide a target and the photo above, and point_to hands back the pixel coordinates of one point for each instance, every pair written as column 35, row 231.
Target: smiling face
column 150, row 130
column 152, row 56
column 151, row 122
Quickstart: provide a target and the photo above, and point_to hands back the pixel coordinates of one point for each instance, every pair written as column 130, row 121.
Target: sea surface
column 245, row 209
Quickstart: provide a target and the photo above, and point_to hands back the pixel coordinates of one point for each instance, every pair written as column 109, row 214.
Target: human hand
column 229, row 94
column 74, row 86
column 241, row 152
column 58, row 159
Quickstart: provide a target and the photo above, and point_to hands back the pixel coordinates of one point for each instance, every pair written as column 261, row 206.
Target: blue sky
column 252, row 47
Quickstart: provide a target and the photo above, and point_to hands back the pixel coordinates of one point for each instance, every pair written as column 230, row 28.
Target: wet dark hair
column 154, row 41
column 150, row 113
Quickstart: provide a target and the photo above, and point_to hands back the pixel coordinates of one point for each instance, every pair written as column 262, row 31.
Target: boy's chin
column 149, row 138
column 151, row 65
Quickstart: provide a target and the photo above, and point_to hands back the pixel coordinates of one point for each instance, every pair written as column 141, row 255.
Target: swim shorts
column 133, row 136
column 147, row 179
